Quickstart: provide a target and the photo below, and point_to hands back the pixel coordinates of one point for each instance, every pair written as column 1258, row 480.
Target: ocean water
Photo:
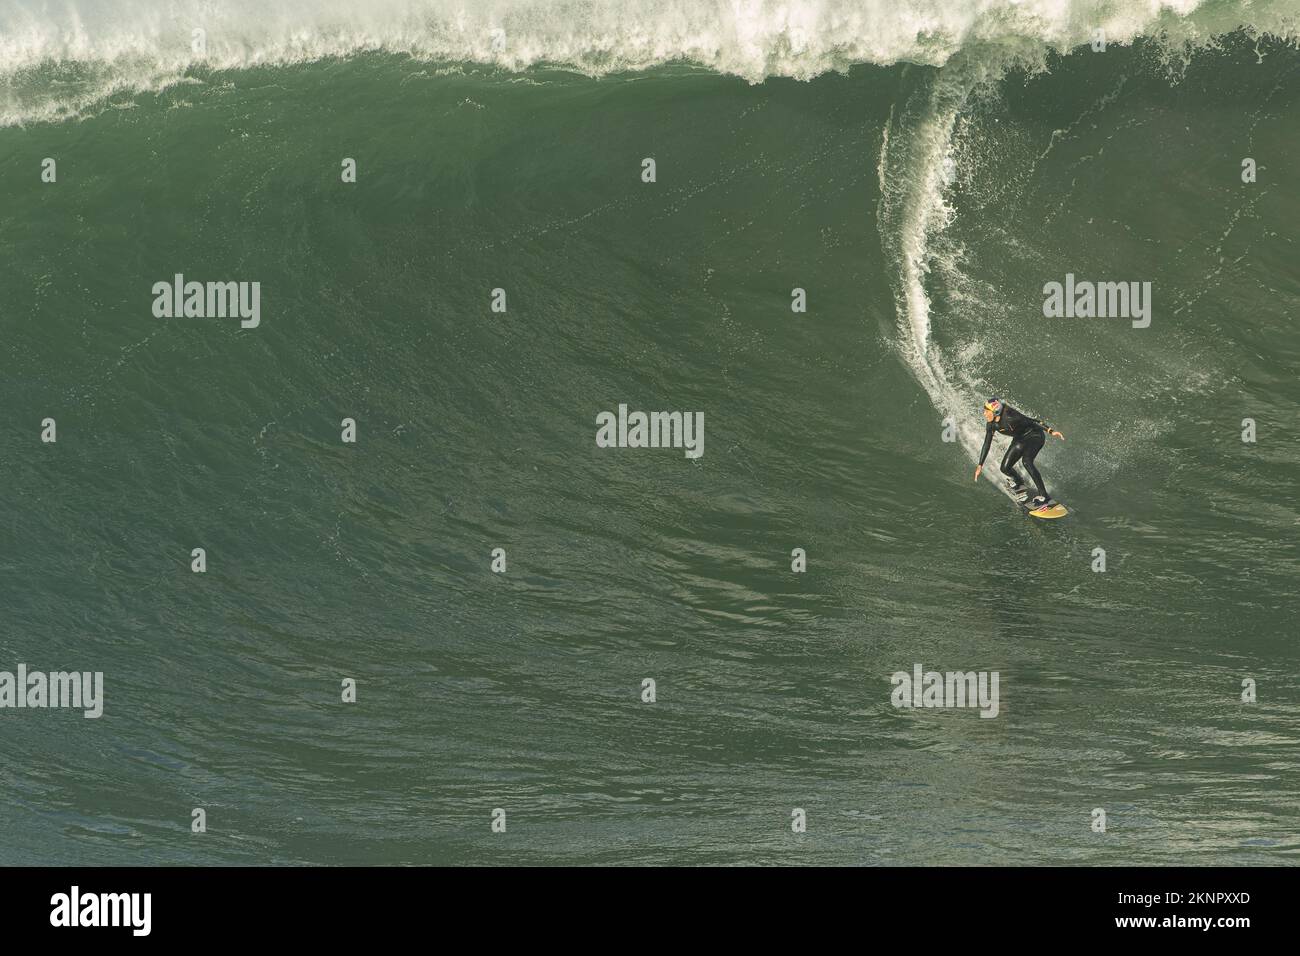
column 920, row 169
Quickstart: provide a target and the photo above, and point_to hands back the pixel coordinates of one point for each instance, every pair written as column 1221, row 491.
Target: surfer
column 1027, row 437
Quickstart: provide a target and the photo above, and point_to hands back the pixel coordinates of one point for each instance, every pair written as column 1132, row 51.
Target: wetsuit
column 1027, row 437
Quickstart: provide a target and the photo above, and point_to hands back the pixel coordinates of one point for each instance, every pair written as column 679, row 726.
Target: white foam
column 915, row 168
column 144, row 44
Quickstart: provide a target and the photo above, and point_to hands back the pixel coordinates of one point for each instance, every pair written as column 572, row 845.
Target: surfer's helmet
column 993, row 408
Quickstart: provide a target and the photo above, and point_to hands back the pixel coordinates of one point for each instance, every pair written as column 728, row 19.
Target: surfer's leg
column 1031, row 446
column 1014, row 451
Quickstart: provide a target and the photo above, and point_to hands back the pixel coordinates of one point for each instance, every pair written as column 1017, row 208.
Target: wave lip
column 753, row 39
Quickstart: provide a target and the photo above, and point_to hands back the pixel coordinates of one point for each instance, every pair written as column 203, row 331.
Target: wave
column 55, row 60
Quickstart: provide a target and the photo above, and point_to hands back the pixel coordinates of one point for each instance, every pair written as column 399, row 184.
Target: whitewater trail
column 915, row 170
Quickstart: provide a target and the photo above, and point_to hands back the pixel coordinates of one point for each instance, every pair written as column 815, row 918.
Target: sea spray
column 98, row 48
column 915, row 169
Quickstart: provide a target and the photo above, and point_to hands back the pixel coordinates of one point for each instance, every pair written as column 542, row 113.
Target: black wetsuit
column 1027, row 437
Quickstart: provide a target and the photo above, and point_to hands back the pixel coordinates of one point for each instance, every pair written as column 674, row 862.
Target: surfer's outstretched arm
column 1042, row 423
column 984, row 452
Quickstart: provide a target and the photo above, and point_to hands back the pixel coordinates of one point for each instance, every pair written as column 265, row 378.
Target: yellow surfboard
column 1056, row 511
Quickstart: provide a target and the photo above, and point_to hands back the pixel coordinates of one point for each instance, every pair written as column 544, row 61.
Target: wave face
column 920, row 170
column 59, row 59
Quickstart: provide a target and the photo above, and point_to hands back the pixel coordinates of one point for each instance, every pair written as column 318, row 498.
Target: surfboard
column 1057, row 510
